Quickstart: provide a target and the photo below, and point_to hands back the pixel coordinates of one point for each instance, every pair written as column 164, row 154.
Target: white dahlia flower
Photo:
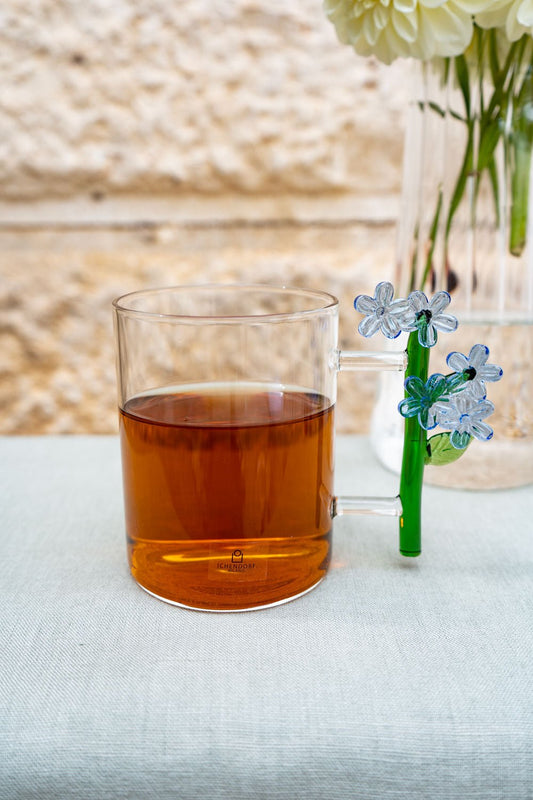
column 515, row 17
column 494, row 15
column 390, row 29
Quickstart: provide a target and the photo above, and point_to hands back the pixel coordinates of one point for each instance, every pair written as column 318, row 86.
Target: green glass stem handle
column 414, row 452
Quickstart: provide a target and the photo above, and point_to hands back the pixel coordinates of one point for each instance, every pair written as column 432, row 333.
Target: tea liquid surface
column 228, row 492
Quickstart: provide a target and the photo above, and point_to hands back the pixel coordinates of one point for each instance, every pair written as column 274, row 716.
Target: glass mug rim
column 324, row 302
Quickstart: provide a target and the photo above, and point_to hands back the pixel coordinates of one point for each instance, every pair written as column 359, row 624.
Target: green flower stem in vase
column 482, row 101
column 520, row 162
column 520, row 195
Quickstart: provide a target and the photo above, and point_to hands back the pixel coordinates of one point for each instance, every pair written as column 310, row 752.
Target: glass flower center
column 424, row 314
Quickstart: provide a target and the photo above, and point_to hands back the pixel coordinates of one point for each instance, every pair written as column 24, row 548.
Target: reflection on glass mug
column 227, row 398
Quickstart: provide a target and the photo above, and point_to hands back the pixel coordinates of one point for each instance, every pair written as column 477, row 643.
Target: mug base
column 231, row 610
column 230, row 575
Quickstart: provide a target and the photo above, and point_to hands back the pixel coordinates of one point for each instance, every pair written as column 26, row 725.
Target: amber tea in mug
column 236, row 482
column 227, row 397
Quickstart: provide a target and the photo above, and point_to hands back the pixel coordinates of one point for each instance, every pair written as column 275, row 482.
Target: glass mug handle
column 359, row 361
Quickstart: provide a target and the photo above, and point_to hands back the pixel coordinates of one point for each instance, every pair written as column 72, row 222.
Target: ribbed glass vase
column 466, row 226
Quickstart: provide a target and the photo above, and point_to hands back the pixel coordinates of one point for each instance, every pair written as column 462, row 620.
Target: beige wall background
column 147, row 142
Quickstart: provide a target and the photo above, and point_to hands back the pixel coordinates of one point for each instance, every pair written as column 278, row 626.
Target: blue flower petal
column 481, row 410
column 415, row 386
column 384, row 293
column 436, row 385
column 365, row 304
column 439, row 302
column 459, row 440
column 427, row 335
column 427, row 419
column 456, row 383
column 445, row 323
column 390, row 326
column 418, row 301
column 490, row 372
column 478, row 356
column 369, row 326
column 475, row 389
column 482, row 431
column 457, row 361
column 409, row 407
column 407, row 318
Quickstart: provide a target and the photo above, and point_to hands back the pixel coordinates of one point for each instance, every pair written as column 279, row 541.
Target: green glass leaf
column 440, row 451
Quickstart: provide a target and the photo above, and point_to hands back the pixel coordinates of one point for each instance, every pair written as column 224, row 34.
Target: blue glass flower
column 424, row 399
column 475, row 370
column 464, row 418
column 427, row 317
column 381, row 311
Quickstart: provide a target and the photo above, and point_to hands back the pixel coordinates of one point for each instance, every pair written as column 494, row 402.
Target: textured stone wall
column 146, row 143
column 200, row 96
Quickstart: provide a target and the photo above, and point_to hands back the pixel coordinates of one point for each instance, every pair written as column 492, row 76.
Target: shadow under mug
column 226, row 398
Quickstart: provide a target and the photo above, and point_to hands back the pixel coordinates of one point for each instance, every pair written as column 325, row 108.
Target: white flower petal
column 513, row 28
column 524, row 14
column 405, row 25
column 479, row 6
column 390, row 29
column 493, row 17
column 405, row 6
column 381, row 16
column 390, row 46
column 450, row 29
column 370, row 30
column 331, row 6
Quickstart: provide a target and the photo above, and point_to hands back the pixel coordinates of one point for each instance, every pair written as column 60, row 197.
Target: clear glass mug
column 226, row 404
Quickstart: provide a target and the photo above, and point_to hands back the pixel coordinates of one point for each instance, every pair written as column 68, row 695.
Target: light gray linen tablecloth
column 395, row 678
